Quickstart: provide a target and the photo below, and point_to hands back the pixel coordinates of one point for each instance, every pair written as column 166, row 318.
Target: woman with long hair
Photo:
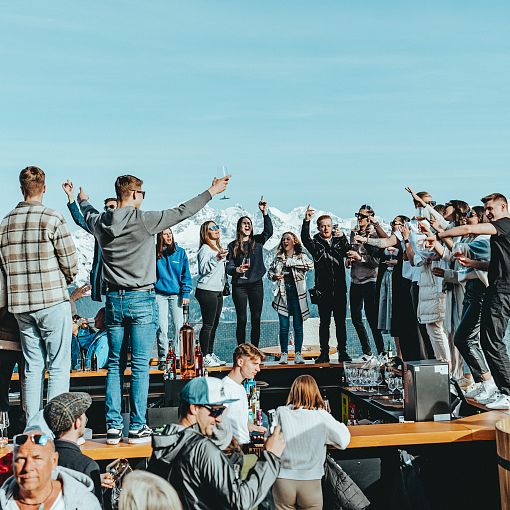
column 288, row 270
column 246, row 266
column 173, row 287
column 209, row 292
column 308, row 429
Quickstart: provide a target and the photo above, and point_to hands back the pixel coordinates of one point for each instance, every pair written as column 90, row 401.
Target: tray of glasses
column 388, row 401
column 368, row 390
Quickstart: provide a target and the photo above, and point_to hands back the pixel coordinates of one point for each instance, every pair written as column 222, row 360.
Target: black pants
column 467, row 336
column 495, row 316
column 7, row 361
column 365, row 295
column 335, row 304
column 211, row 303
column 242, row 295
column 427, row 352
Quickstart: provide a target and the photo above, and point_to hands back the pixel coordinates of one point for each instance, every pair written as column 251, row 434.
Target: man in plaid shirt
column 38, row 258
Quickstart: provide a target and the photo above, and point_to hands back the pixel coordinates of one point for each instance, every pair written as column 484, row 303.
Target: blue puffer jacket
column 173, row 274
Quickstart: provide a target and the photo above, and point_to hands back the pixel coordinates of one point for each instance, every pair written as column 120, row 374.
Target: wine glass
column 4, row 424
column 246, row 264
column 224, row 169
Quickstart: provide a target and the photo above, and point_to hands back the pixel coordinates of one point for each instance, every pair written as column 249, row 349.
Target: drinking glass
column 4, row 424
column 246, row 264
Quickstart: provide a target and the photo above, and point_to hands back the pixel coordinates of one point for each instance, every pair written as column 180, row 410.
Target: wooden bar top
column 479, row 427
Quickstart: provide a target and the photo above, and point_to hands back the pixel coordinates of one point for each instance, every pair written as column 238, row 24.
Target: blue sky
column 330, row 102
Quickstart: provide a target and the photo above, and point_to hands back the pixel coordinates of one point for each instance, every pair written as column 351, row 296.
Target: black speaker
column 427, row 391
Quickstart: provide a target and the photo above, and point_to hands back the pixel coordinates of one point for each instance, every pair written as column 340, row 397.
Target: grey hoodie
column 126, row 238
column 77, row 490
column 202, row 474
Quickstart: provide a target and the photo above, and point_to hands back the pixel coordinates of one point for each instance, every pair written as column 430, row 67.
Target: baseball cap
column 61, row 412
column 205, row 391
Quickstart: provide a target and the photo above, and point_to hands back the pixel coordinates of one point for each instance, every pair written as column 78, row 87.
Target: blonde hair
column 142, row 490
column 304, row 393
column 204, row 236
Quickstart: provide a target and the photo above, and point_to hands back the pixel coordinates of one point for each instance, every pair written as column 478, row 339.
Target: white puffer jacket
column 431, row 305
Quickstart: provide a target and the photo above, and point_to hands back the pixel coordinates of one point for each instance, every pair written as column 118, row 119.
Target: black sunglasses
column 40, row 439
column 110, row 207
column 361, row 216
column 138, row 191
column 470, row 214
column 432, row 203
column 215, row 411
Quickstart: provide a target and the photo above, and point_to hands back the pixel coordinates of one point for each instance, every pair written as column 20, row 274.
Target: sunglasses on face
column 109, row 207
column 396, row 224
column 361, row 216
column 215, row 411
column 40, row 439
column 138, row 191
column 214, row 228
column 470, row 214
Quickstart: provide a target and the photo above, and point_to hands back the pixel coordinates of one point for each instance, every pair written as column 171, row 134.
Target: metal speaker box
column 427, row 391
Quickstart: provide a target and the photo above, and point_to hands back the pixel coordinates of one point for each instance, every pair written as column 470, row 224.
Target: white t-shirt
column 237, row 412
column 57, row 505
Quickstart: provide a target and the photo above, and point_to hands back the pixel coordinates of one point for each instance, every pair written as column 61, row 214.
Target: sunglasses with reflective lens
column 470, row 214
column 215, row 411
column 432, row 203
column 213, row 228
column 110, row 207
column 396, row 224
column 40, row 439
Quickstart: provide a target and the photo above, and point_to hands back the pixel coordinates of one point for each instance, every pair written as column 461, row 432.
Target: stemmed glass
column 224, row 197
column 246, row 264
column 4, row 424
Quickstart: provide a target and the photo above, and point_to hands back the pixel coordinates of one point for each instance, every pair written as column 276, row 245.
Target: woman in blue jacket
column 173, row 287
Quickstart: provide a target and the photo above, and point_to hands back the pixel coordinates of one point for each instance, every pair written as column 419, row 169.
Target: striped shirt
column 38, row 257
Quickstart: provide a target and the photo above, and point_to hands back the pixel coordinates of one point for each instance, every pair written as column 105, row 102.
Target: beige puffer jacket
column 431, row 305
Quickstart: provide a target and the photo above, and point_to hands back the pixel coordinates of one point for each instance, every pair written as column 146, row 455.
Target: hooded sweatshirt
column 126, row 237
column 77, row 490
column 202, row 474
column 174, row 277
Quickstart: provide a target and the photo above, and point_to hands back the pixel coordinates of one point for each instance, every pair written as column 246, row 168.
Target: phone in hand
column 272, row 417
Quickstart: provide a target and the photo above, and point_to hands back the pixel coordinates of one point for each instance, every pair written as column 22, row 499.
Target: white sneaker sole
column 115, row 441
column 139, row 440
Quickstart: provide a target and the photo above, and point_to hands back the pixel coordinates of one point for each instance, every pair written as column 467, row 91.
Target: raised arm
column 465, row 230
column 305, row 232
column 264, row 236
column 385, row 242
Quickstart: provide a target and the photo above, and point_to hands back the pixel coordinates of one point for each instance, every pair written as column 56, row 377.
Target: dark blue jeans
column 131, row 316
column 294, row 311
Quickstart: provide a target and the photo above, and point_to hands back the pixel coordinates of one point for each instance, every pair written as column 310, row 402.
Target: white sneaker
column 218, row 360
column 474, row 391
column 487, row 393
column 503, row 403
column 210, row 362
column 284, row 358
column 298, row 359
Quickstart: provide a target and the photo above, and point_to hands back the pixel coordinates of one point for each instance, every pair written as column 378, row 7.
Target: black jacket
column 70, row 456
column 328, row 260
column 202, row 474
column 257, row 268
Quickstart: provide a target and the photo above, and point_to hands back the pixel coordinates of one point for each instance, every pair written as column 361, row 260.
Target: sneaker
column 503, row 403
column 343, row 356
column 113, row 436
column 474, row 391
column 209, row 361
column 218, row 360
column 142, row 435
column 284, row 358
column 488, row 391
column 466, row 384
column 299, row 360
column 323, row 358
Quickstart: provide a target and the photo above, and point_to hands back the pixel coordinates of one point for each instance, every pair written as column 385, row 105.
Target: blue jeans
column 45, row 338
column 172, row 304
column 294, row 311
column 131, row 317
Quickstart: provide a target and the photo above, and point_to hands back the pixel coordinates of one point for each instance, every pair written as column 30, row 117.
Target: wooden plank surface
column 308, row 351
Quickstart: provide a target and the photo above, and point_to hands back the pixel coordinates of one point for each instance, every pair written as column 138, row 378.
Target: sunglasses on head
column 213, row 228
column 40, row 439
column 215, row 411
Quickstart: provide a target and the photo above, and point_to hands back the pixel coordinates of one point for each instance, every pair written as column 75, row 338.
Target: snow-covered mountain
column 187, row 236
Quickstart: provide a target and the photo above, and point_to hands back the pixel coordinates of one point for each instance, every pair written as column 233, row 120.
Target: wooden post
column 503, row 452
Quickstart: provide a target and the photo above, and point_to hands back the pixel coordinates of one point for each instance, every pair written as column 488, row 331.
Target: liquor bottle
column 93, row 363
column 170, row 372
column 83, row 360
column 389, row 351
column 187, row 335
column 199, row 360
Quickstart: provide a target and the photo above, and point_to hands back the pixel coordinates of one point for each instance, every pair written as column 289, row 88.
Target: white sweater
column 307, row 432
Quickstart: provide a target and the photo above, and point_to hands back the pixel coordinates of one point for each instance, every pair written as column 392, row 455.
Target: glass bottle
column 187, row 336
column 199, row 360
column 170, row 372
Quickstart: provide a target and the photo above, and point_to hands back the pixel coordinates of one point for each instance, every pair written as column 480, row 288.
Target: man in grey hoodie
column 126, row 238
column 38, row 482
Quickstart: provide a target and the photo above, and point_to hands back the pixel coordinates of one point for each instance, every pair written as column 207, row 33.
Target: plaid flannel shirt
column 38, row 257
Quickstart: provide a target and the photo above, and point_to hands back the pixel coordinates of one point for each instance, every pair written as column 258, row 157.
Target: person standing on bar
column 39, row 260
column 126, row 236
column 246, row 266
column 328, row 249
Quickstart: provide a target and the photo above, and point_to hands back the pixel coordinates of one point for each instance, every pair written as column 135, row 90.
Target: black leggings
column 252, row 294
column 365, row 294
column 211, row 303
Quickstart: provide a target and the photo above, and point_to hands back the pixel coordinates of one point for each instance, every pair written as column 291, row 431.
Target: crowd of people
column 438, row 282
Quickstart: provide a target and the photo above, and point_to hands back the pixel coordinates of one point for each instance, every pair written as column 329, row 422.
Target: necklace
column 41, row 504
